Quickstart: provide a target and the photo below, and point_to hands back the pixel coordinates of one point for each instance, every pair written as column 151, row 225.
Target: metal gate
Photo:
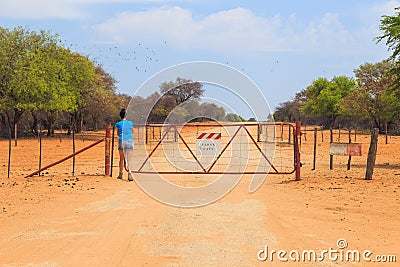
column 217, row 148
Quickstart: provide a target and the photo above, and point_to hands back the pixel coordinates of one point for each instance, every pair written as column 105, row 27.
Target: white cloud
column 371, row 14
column 119, row 1
column 386, row 8
column 232, row 29
column 236, row 30
column 39, row 9
column 61, row 9
column 326, row 32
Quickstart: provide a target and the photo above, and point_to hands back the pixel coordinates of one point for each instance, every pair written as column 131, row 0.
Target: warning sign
column 345, row 149
column 208, row 143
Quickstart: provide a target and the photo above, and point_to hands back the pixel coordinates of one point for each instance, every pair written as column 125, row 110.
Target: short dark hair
column 122, row 113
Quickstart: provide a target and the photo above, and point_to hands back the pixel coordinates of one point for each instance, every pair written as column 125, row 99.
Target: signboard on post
column 208, row 143
column 345, row 149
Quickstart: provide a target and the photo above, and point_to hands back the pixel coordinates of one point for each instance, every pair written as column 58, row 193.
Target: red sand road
column 91, row 220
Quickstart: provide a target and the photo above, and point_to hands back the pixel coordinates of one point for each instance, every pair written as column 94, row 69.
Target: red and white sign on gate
column 208, row 143
column 345, row 149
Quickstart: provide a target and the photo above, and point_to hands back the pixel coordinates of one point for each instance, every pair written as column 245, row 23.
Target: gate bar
column 64, row 159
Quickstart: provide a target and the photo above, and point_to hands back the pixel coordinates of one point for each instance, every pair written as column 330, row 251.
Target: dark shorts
column 125, row 145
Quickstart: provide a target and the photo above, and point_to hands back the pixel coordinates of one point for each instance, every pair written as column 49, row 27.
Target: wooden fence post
column 372, row 154
column 9, row 152
column 349, row 160
column 322, row 133
column 315, row 148
column 386, row 134
column 331, row 156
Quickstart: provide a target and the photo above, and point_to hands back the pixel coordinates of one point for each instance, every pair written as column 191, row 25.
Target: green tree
column 373, row 99
column 27, row 80
column 100, row 103
column 182, row 90
column 81, row 81
column 390, row 26
column 290, row 111
column 234, row 117
column 212, row 111
column 322, row 97
column 54, row 86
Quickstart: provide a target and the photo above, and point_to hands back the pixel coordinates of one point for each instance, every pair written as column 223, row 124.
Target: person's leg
column 121, row 163
column 129, row 163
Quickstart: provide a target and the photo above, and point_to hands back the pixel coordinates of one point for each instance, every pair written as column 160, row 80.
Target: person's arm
column 117, row 130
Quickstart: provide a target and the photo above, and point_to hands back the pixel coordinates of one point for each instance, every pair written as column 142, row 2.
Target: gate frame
column 296, row 137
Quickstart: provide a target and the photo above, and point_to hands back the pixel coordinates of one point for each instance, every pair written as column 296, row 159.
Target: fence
column 350, row 148
column 33, row 153
column 242, row 148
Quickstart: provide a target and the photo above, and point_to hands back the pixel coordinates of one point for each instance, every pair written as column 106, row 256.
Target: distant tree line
column 178, row 102
column 370, row 100
column 46, row 86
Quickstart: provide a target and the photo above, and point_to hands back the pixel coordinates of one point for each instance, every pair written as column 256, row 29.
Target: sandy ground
column 87, row 219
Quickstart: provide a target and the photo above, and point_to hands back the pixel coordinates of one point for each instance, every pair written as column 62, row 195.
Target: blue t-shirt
column 124, row 130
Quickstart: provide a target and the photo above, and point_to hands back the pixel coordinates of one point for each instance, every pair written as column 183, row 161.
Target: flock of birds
column 140, row 54
column 103, row 54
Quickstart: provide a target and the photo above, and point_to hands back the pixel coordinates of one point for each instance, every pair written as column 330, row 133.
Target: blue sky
column 281, row 45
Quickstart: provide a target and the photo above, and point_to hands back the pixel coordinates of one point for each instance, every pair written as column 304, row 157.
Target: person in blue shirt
column 125, row 142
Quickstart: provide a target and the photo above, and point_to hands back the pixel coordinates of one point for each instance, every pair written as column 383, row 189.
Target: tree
column 182, row 90
column 212, row 111
column 289, row 111
column 54, row 86
column 372, row 99
column 322, row 97
column 390, row 26
column 234, row 117
column 101, row 104
column 81, row 80
column 29, row 78
column 178, row 115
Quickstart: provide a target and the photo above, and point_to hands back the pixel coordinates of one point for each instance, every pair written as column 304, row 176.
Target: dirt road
column 91, row 220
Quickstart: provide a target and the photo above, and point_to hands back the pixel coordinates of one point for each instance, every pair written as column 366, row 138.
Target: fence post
column 297, row 150
column 40, row 148
column 305, row 133
column 322, row 133
column 349, row 160
column 73, row 149
column 386, row 134
column 372, row 154
column 112, row 150
column 175, row 134
column 315, row 148
column 107, row 150
column 331, row 156
column 274, row 133
column 355, row 135
column 9, row 152
column 15, row 134
column 146, row 133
